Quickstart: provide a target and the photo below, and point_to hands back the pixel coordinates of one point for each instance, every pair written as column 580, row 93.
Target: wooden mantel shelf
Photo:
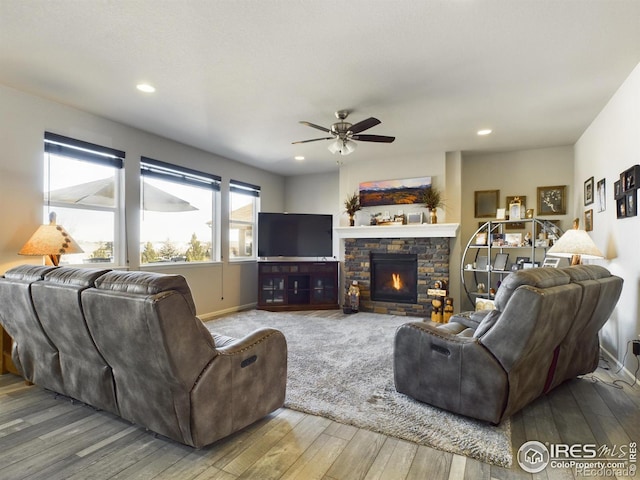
column 399, row 231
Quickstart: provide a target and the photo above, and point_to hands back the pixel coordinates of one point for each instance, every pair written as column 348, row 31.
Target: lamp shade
column 52, row 240
column 575, row 242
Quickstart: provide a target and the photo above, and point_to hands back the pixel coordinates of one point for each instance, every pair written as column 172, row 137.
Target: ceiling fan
column 344, row 133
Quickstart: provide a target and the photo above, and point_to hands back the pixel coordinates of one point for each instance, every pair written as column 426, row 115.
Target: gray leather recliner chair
column 488, row 365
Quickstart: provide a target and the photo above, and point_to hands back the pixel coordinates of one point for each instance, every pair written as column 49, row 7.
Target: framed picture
column 552, row 200
column 617, row 189
column 486, row 203
column 500, row 262
column 414, row 218
column 529, row 213
column 393, row 192
column 632, row 205
column 516, row 206
column 513, row 239
column 481, row 238
column 482, row 262
column 530, row 265
column 621, row 207
column 514, row 225
column 551, row 262
column 588, row 220
column 588, row 192
column 601, row 195
column 629, row 179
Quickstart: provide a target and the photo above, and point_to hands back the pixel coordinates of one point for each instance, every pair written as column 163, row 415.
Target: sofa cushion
column 581, row 273
column 76, row 277
column 535, row 277
column 27, row 273
column 146, row 283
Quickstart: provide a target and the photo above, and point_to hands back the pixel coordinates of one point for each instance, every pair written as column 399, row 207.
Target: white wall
column 316, row 193
column 23, row 120
column 610, row 145
column 515, row 173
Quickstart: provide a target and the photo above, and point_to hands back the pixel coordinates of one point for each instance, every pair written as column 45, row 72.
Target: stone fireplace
column 429, row 244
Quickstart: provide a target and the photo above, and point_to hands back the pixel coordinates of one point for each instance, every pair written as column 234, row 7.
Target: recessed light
column 146, row 88
column 298, row 157
column 485, row 131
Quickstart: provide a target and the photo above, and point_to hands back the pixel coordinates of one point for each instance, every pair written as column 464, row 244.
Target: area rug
column 341, row 367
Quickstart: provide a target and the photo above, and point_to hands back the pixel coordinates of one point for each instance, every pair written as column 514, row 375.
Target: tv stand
column 295, row 285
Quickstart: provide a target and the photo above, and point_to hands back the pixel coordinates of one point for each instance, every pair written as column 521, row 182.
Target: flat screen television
column 295, row 235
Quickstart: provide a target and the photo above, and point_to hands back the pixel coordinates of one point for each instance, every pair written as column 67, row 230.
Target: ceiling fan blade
column 312, row 140
column 364, row 125
column 313, row 125
column 373, row 138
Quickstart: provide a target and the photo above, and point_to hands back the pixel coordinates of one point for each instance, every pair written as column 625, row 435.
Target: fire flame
column 397, row 283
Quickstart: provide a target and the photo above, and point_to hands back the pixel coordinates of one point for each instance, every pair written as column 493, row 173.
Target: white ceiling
column 235, row 77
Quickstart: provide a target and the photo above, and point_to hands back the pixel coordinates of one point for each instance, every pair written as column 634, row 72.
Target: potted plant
column 432, row 199
column 352, row 205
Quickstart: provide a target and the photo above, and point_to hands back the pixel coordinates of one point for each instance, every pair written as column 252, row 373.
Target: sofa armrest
column 243, row 383
column 450, row 371
column 470, row 319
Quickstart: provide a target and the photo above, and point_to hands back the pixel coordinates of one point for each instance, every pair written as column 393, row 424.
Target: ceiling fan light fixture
column 343, row 147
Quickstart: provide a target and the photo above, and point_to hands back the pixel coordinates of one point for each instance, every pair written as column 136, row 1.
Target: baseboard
column 205, row 317
column 618, row 364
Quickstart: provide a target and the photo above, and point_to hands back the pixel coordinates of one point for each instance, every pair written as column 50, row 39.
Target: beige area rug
column 341, row 367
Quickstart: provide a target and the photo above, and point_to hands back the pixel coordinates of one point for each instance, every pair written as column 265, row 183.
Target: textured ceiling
column 235, row 77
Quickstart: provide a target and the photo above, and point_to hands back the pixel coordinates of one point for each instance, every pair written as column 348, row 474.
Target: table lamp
column 575, row 244
column 52, row 240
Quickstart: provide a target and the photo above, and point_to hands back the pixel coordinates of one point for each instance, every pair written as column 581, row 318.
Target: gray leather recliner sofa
column 130, row 343
column 488, row 365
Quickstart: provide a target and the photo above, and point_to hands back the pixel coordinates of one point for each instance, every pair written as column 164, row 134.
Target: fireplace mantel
column 399, row 231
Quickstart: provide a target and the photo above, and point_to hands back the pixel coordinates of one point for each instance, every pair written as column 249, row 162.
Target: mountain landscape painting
column 393, row 192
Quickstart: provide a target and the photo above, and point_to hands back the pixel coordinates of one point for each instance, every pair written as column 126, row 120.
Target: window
column 244, row 202
column 82, row 186
column 177, row 217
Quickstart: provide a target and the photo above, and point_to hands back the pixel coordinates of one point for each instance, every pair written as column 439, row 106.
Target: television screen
column 295, row 235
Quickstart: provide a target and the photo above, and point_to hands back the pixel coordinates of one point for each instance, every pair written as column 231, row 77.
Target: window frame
column 79, row 150
column 169, row 172
column 243, row 188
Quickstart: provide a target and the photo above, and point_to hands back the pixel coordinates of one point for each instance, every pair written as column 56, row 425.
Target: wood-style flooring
column 44, row 436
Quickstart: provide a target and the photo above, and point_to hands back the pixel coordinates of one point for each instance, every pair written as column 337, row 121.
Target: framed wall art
column 588, row 220
column 601, row 195
column 617, row 189
column 588, row 192
column 631, row 204
column 393, row 192
column 552, row 200
column 516, row 206
column 629, row 178
column 414, row 218
column 486, row 203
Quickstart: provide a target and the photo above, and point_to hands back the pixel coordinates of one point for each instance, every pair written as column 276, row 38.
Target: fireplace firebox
column 394, row 277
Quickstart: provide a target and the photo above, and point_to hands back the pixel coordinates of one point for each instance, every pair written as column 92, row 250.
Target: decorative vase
column 434, row 215
column 352, row 220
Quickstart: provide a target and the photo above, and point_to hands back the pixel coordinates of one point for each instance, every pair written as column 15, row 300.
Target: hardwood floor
column 44, row 436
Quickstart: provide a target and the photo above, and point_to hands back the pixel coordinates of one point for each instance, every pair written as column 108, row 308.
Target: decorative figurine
column 448, row 309
column 354, row 296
